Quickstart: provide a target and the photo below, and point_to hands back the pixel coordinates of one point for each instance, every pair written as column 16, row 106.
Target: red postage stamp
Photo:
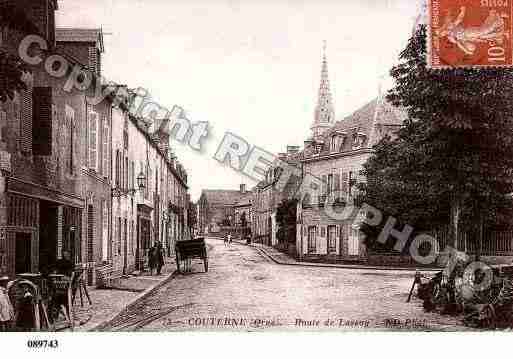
column 470, row 33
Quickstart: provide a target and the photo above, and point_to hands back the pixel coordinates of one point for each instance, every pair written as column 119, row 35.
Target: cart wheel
column 205, row 262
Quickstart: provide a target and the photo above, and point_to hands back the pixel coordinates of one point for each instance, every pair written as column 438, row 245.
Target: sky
column 250, row 67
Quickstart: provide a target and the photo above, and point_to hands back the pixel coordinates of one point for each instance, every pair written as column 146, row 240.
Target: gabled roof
column 80, row 35
column 221, row 196
column 364, row 123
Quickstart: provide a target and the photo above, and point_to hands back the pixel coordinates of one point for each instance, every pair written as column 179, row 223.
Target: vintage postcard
column 254, row 166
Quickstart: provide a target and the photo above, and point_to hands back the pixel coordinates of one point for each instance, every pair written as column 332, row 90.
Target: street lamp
column 120, row 192
column 141, row 181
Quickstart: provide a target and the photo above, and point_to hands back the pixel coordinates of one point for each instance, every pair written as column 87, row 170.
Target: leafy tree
column 286, row 215
column 12, row 68
column 450, row 162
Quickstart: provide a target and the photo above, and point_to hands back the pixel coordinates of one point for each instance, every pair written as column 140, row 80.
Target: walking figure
column 159, row 257
column 229, row 239
column 152, row 259
column 226, row 240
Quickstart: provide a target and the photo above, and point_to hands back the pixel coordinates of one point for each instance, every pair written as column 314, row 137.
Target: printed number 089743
column 36, row 344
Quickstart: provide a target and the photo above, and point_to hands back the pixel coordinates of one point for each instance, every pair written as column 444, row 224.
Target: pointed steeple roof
column 324, row 111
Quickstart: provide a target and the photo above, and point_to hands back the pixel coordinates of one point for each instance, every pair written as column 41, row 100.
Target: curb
column 263, row 252
column 100, row 326
column 344, row 266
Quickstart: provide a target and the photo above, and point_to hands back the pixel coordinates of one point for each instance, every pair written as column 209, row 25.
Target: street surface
column 244, row 290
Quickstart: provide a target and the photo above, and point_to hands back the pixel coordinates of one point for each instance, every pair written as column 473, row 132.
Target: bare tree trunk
column 454, row 223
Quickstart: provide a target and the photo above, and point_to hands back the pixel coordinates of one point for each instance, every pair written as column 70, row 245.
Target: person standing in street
column 159, row 257
column 229, row 239
column 151, row 259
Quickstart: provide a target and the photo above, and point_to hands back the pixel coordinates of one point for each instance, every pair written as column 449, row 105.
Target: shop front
column 143, row 235
column 41, row 226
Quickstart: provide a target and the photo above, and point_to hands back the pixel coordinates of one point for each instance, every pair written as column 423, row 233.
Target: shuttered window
column 132, row 236
column 90, row 233
column 106, row 152
column 93, row 140
column 120, row 234
column 42, row 121
column 105, row 231
column 330, row 183
column 336, row 182
column 3, row 124
column 126, row 174
column 93, row 60
column 26, row 122
column 345, row 182
column 132, row 174
column 118, row 169
column 70, row 123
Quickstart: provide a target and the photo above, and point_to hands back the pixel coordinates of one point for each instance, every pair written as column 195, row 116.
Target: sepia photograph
column 250, row 167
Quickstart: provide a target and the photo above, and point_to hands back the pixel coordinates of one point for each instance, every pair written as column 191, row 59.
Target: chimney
column 243, row 188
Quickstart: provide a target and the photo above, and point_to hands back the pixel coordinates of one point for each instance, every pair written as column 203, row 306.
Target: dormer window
column 337, row 141
column 318, row 148
column 358, row 140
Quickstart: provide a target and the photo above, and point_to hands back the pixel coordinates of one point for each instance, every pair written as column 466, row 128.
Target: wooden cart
column 189, row 249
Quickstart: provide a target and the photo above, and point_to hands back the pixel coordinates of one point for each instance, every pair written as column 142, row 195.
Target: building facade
column 70, row 169
column 268, row 197
column 44, row 161
column 335, row 154
column 216, row 209
column 149, row 193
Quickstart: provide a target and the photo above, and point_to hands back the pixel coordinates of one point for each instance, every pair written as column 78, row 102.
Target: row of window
column 124, row 237
column 333, row 234
column 338, row 142
column 98, row 143
column 36, row 113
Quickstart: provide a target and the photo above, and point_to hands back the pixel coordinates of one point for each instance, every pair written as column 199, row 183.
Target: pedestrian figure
column 226, row 239
column 151, row 259
column 6, row 310
column 229, row 239
column 159, row 257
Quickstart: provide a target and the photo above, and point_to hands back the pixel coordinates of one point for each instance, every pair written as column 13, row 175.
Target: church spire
column 324, row 111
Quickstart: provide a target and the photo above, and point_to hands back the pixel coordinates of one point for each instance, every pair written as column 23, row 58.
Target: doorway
column 23, row 253
column 331, row 244
column 312, row 239
column 47, row 235
column 125, row 247
column 353, row 242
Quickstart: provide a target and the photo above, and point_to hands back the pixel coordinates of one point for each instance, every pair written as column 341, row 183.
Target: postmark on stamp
column 470, row 33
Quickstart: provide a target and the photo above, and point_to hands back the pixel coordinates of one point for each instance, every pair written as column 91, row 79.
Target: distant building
column 216, row 209
column 267, row 197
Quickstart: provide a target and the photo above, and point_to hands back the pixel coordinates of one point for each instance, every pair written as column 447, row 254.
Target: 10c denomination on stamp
column 470, row 33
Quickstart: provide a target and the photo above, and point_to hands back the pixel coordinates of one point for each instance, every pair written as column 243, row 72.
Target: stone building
column 243, row 215
column 267, row 197
column 335, row 154
column 44, row 159
column 149, row 193
column 64, row 163
column 216, row 209
column 86, row 46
